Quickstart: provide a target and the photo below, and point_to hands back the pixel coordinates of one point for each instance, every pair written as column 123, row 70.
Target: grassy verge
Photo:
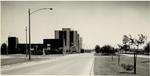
column 21, row 58
column 104, row 65
column 10, row 61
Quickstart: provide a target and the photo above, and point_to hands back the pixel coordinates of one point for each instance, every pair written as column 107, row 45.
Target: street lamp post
column 29, row 36
column 30, row 13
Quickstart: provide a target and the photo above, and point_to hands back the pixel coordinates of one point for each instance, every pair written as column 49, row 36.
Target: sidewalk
column 131, row 55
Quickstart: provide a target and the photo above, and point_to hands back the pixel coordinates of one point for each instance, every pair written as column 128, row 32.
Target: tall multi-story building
column 80, row 44
column 70, row 39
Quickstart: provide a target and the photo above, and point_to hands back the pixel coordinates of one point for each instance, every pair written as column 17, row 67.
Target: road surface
column 75, row 64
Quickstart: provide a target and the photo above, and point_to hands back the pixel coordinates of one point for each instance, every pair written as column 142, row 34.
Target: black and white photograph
column 75, row 38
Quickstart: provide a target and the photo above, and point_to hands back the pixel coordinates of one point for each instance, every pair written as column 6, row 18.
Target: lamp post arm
column 39, row 10
column 30, row 13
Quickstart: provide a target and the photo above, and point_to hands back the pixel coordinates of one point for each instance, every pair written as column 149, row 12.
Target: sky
column 98, row 22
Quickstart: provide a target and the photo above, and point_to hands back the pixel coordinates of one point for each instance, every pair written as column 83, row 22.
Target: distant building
column 12, row 45
column 71, row 39
column 80, row 44
column 53, row 45
column 36, row 48
column 66, row 41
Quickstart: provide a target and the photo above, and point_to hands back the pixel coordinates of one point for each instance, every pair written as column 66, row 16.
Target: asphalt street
column 74, row 64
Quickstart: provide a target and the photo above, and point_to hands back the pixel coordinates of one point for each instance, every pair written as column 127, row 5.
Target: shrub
column 107, row 49
column 4, row 48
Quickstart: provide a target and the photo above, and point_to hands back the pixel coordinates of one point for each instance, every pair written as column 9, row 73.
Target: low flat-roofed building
column 53, row 45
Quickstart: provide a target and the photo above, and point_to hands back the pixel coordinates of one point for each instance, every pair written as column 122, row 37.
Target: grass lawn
column 9, row 61
column 105, row 66
column 21, row 58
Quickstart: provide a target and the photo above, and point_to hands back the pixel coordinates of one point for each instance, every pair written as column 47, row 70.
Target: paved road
column 75, row 64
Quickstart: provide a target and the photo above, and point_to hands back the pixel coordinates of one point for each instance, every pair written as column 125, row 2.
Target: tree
column 107, row 49
column 120, row 48
column 141, row 40
column 137, row 42
column 97, row 48
column 125, row 40
column 4, row 48
column 147, row 48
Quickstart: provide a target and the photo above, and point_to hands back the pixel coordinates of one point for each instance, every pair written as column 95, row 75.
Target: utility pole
column 112, row 56
column 26, row 42
column 29, row 36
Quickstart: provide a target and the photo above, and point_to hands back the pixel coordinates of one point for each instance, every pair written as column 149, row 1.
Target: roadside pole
column 112, row 56
column 135, row 63
column 26, row 42
column 118, row 57
column 135, row 59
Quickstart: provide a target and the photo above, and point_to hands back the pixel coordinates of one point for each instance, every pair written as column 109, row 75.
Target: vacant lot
column 104, row 65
